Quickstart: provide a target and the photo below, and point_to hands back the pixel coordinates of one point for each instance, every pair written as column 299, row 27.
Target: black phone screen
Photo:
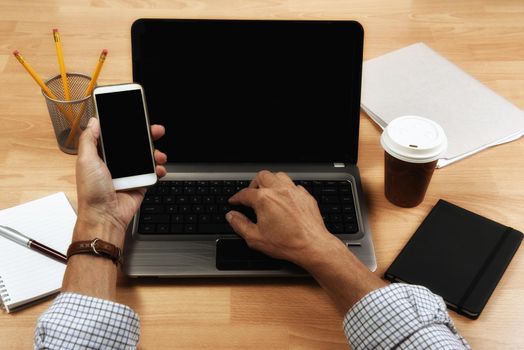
column 124, row 130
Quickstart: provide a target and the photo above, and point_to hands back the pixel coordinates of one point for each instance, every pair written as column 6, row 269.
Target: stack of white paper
column 415, row 80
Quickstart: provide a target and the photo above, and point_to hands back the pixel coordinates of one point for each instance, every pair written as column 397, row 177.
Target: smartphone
column 125, row 136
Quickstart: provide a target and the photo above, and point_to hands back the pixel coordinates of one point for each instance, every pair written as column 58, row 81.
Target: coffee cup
column 412, row 146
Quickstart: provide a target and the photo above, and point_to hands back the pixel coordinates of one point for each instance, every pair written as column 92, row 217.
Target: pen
column 88, row 92
column 61, row 64
column 39, row 81
column 21, row 239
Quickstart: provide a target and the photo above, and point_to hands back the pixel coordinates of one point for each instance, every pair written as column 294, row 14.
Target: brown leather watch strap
column 96, row 247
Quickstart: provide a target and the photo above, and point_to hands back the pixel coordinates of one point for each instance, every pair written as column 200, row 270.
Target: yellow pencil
column 38, row 80
column 33, row 74
column 61, row 64
column 96, row 73
column 89, row 90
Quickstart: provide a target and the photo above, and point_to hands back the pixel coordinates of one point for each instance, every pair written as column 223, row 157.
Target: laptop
column 237, row 97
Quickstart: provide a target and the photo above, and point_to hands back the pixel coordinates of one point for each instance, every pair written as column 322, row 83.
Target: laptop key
column 229, row 191
column 171, row 209
column 211, row 209
column 215, row 228
column 348, row 208
column 332, row 208
column 182, row 199
column 191, row 219
column 162, row 190
column 351, row 228
column 147, row 228
column 349, row 218
column 190, row 228
column 155, row 218
column 169, row 199
column 175, row 190
column 152, row 209
column 185, row 209
column 218, row 218
column 162, row 228
column 329, row 199
column 177, row 228
column 189, row 190
column 346, row 199
column 337, row 228
column 222, row 199
column 177, row 219
column 204, row 218
column 153, row 199
column 335, row 218
column 198, row 209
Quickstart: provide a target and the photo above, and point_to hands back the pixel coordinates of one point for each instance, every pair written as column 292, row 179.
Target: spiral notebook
column 27, row 276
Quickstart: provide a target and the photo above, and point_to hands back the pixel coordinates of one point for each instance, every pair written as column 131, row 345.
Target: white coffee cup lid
column 414, row 139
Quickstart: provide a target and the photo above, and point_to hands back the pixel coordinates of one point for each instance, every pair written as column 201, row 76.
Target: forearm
column 395, row 316
column 84, row 314
column 345, row 279
column 91, row 275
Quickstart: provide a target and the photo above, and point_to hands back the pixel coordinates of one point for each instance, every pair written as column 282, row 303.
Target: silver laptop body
column 194, row 255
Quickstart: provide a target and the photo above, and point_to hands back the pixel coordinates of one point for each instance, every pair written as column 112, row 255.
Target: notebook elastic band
column 484, row 266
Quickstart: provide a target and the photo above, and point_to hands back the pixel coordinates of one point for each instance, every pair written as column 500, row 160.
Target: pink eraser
column 16, row 52
column 55, row 30
column 104, row 51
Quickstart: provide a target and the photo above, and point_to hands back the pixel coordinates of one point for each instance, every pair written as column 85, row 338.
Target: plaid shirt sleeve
column 401, row 316
column 77, row 321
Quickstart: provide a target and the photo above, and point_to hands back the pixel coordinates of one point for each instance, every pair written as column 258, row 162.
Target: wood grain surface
column 485, row 38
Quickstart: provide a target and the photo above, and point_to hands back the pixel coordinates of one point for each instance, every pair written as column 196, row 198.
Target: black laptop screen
column 252, row 91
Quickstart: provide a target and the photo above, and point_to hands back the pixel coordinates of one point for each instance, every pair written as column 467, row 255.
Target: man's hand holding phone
column 103, row 212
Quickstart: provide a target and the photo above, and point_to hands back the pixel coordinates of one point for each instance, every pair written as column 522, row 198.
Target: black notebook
column 458, row 255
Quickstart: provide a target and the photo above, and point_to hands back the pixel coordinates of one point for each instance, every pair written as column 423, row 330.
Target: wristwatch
column 96, row 247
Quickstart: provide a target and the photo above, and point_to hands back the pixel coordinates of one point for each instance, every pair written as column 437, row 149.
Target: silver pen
column 19, row 238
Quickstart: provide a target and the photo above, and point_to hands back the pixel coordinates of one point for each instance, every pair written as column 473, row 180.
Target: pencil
column 39, row 81
column 33, row 74
column 96, row 73
column 89, row 90
column 61, row 64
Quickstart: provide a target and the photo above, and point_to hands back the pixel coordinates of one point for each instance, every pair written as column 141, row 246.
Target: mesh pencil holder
column 69, row 118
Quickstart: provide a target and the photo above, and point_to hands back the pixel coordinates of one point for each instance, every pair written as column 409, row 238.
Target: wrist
column 323, row 254
column 87, row 230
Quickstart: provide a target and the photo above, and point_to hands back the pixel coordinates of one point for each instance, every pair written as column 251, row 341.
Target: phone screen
column 125, row 133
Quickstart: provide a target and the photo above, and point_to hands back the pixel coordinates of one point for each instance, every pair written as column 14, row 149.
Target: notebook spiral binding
column 4, row 295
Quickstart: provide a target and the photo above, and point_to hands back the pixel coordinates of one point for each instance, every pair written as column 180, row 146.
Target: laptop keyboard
column 199, row 207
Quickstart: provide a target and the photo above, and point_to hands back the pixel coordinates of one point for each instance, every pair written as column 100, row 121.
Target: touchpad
column 234, row 254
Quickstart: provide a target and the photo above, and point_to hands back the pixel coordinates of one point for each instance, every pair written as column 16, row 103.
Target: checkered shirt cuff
column 404, row 317
column 77, row 321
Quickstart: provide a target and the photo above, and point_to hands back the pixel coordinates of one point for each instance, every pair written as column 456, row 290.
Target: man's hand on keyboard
column 289, row 225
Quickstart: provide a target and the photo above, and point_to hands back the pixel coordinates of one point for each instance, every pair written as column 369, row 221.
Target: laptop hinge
column 339, row 165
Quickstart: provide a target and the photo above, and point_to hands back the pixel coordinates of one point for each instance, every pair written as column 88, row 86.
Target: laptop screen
column 252, row 91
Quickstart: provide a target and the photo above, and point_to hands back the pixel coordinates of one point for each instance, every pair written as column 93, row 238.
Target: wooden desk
column 483, row 37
